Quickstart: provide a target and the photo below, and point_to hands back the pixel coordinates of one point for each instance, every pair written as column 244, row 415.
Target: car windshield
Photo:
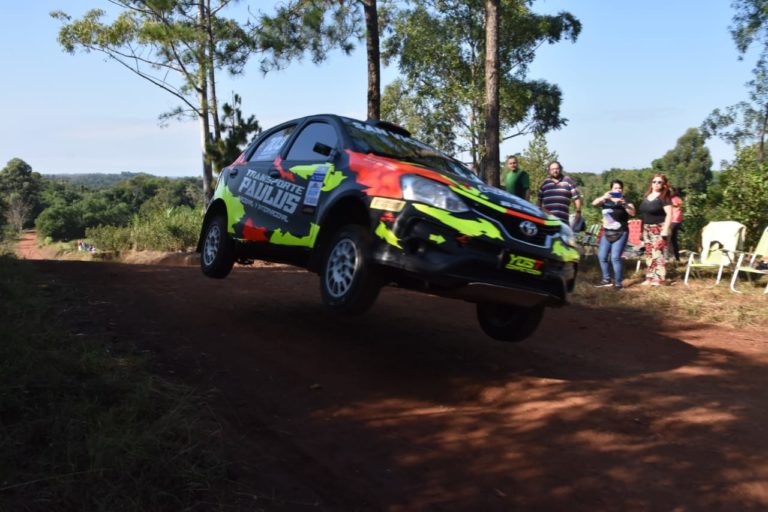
column 372, row 139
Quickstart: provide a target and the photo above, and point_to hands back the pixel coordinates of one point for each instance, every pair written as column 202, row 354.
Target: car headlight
column 422, row 190
column 566, row 234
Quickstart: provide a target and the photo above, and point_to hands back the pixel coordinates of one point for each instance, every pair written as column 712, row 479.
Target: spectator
column 517, row 181
column 656, row 212
column 616, row 212
column 677, row 222
column 557, row 192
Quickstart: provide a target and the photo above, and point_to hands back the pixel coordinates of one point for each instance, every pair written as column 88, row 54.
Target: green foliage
column 89, row 181
column 236, row 133
column 175, row 229
column 534, row 159
column 60, row 222
column 177, row 45
column 72, row 213
column 688, row 165
column 311, row 27
column 745, row 193
column 85, row 425
column 440, row 49
column 744, row 123
column 113, row 239
column 750, row 25
column 20, row 189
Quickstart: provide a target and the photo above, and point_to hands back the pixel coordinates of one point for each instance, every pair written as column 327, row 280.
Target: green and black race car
column 364, row 205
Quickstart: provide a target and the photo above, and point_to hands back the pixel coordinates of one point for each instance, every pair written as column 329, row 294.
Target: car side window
column 304, row 146
column 268, row 149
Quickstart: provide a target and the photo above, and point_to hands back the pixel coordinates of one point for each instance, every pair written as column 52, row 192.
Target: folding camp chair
column 756, row 262
column 635, row 249
column 590, row 238
column 720, row 241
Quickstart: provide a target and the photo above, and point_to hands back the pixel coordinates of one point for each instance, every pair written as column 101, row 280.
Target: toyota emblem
column 528, row 228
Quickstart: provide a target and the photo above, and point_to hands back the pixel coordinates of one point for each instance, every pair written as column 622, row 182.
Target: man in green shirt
column 517, row 182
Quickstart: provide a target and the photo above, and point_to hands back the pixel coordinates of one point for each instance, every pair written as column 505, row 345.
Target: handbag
column 612, row 235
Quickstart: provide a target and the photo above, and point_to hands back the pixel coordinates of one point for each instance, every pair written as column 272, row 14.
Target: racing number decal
column 523, row 264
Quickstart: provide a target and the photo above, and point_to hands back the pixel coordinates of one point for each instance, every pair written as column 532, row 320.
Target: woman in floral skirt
column 656, row 212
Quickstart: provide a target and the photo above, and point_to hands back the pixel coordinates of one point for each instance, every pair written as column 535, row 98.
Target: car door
column 257, row 184
column 309, row 164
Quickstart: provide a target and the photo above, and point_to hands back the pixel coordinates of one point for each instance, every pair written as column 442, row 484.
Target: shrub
column 110, row 238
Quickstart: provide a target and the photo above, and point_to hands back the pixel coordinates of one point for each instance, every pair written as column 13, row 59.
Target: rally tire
column 349, row 283
column 217, row 256
column 505, row 322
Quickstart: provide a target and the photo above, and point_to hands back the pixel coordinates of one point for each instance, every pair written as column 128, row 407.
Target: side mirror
column 322, row 149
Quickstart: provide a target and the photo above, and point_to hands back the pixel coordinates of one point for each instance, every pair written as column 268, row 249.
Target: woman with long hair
column 656, row 213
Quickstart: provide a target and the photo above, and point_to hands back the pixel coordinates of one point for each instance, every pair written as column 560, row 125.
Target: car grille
column 512, row 223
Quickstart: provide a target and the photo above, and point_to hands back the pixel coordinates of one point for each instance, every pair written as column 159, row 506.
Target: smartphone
column 615, row 195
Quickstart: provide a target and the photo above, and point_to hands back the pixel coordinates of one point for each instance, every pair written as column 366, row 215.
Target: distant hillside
column 97, row 181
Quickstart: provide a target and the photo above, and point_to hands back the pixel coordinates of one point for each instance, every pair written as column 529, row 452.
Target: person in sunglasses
column 656, row 213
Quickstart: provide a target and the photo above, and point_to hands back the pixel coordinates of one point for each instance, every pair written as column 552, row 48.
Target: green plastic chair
column 720, row 243
column 754, row 262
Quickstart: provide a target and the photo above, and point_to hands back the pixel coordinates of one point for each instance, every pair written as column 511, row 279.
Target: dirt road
column 412, row 408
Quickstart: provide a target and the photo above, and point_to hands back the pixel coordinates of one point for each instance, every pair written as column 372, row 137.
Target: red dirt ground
column 412, row 408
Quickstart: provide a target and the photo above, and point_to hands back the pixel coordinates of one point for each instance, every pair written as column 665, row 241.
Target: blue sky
column 640, row 74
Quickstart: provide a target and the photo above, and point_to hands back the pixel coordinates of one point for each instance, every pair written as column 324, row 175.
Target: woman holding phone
column 616, row 213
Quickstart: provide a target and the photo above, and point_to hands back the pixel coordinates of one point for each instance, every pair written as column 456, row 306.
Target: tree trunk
column 213, row 100
column 203, row 113
column 374, row 64
column 491, row 156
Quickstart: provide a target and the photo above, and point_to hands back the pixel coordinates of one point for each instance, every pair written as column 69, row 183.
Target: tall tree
column 318, row 26
column 177, row 45
column 534, row 160
column 750, row 26
column 688, row 165
column 440, row 49
column 20, row 190
column 747, row 121
column 236, row 132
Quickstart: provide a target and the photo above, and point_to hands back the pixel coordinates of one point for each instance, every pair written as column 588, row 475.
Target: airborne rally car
column 364, row 205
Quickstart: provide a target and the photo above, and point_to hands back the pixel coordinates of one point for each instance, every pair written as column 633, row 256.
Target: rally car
column 363, row 204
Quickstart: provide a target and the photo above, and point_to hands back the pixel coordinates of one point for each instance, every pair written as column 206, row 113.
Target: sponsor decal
column 272, row 196
column 284, row 238
column 438, row 239
column 315, row 186
column 235, row 209
column 567, row 253
column 470, row 227
column 524, row 264
column 391, row 205
column 254, row 233
column 387, row 235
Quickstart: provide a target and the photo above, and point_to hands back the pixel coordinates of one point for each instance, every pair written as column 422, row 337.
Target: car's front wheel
column 508, row 323
column 218, row 253
column 348, row 282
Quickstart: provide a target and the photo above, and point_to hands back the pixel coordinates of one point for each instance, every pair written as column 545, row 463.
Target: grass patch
column 84, row 425
column 700, row 301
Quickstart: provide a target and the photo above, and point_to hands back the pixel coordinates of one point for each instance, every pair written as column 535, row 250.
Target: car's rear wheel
column 508, row 323
column 218, row 252
column 348, row 282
